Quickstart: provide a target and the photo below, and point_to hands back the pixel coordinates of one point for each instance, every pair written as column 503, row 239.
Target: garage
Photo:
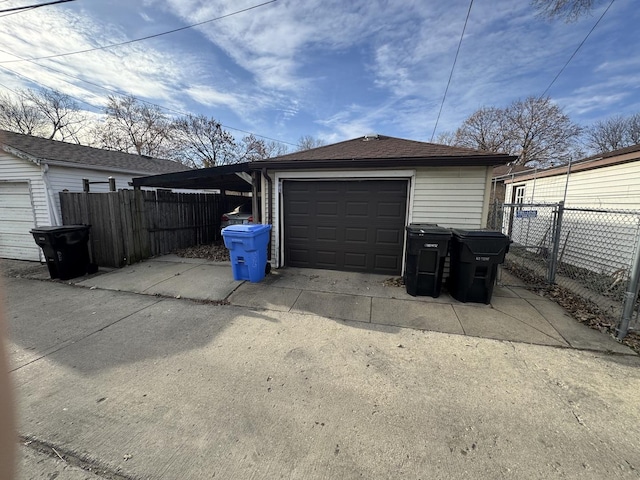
column 16, row 218
column 345, row 225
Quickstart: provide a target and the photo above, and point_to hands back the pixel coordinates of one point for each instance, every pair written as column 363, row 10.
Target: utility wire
column 120, row 93
column 31, row 7
column 142, row 38
column 44, row 86
column 452, row 68
column 576, row 50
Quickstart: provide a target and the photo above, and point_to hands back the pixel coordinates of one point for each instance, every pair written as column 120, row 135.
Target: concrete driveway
column 515, row 313
column 141, row 386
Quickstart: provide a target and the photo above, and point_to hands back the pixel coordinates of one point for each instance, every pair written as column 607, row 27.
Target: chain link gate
column 532, row 228
column 594, row 253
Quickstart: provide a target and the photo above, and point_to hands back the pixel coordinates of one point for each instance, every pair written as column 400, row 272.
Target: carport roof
column 227, row 177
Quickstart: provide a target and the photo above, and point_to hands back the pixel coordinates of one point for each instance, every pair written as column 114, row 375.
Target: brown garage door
column 345, row 225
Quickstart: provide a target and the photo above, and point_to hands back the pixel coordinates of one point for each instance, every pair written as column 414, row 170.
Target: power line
column 44, row 86
column 142, row 38
column 28, row 8
column 31, row 7
column 120, row 93
column 452, row 68
column 576, row 50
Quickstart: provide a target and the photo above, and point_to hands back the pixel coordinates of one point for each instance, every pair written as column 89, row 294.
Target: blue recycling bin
column 247, row 246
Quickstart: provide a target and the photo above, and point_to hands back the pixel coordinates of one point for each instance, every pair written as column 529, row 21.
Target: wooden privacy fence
column 128, row 226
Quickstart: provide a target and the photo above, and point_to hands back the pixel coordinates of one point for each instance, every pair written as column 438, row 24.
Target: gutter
column 381, row 163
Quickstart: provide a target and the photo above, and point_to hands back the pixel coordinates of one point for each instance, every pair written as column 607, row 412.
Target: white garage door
column 16, row 219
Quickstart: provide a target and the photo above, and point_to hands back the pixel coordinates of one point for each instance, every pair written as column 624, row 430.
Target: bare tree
column 307, row 142
column 60, row 111
column 534, row 129
column 486, row 129
column 19, row 115
column 633, row 129
column 614, row 133
column 541, row 132
column 567, row 10
column 201, row 141
column 607, row 135
column 446, row 138
column 134, row 127
column 42, row 113
column 251, row 149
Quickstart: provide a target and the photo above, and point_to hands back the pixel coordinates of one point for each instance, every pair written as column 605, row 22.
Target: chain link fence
column 591, row 252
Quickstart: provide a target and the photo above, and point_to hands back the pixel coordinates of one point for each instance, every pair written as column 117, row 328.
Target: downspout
column 268, row 205
column 53, row 211
column 566, row 183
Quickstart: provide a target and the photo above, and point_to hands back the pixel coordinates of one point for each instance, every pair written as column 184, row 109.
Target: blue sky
column 332, row 69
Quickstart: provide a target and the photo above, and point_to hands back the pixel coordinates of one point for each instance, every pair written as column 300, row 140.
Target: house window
column 518, row 194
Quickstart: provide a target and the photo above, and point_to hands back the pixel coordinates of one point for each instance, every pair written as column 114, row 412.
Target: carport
column 226, row 178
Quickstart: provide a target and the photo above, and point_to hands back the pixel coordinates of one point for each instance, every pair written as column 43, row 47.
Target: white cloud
column 271, row 68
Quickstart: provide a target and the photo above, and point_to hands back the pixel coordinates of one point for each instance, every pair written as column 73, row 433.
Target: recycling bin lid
column 427, row 229
column 60, row 229
column 477, row 233
column 245, row 229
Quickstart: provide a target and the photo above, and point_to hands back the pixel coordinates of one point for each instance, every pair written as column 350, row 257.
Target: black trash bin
column 427, row 246
column 65, row 248
column 475, row 256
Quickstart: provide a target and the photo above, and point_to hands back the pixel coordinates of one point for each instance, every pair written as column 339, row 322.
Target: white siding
column 16, row 221
column 616, row 186
column 64, row 178
column 587, row 236
column 450, row 197
column 14, row 169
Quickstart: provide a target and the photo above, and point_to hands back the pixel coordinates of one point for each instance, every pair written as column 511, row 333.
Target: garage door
column 16, row 219
column 345, row 225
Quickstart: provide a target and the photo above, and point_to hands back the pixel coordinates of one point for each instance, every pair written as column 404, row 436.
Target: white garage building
column 34, row 170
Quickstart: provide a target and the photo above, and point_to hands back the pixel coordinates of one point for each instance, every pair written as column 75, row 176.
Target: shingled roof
column 379, row 150
column 72, row 155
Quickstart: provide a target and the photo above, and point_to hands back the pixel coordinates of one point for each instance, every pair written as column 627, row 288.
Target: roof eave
column 445, row 161
column 20, row 154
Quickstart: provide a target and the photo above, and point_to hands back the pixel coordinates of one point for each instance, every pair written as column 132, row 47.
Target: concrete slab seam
column 296, row 300
column 559, row 333
column 68, row 344
column 459, row 321
column 583, row 349
column 171, row 277
column 234, row 290
column 531, row 326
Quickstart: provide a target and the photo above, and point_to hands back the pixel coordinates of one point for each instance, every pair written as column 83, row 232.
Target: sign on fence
column 526, row 213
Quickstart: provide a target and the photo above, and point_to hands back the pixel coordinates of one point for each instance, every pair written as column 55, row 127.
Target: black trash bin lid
column 477, row 233
column 60, row 229
column 427, row 229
